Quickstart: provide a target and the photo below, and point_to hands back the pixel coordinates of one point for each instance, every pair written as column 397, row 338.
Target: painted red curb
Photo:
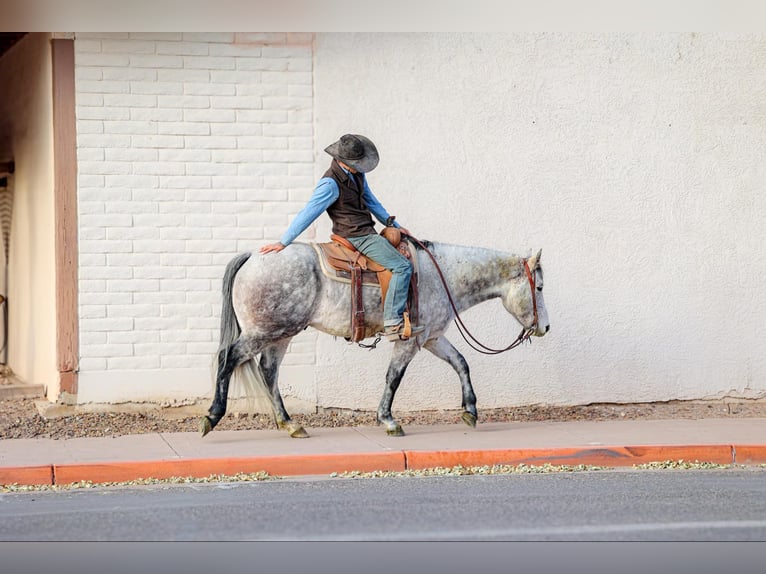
column 26, row 474
column 322, row 464
column 750, row 453
column 601, row 456
column 288, row 465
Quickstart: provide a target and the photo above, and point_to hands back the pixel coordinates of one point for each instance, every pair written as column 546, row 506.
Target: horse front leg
column 271, row 358
column 443, row 349
column 402, row 354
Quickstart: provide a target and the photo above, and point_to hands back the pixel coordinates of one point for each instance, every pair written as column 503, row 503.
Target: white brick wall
column 191, row 148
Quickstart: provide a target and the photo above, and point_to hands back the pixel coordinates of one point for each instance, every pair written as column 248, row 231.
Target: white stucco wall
column 634, row 161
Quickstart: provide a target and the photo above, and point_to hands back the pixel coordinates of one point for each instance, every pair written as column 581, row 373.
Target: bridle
column 533, row 287
column 474, row 343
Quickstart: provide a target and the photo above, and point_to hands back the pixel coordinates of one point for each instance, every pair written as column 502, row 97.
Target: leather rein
column 469, row 338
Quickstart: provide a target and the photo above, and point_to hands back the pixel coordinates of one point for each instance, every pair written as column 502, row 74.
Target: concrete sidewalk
column 328, row 450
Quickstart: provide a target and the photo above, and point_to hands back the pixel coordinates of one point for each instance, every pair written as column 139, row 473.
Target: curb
column 601, row 456
column 27, row 475
column 325, row 464
column 293, row 465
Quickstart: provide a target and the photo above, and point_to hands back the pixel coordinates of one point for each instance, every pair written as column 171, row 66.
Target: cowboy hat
column 355, row 151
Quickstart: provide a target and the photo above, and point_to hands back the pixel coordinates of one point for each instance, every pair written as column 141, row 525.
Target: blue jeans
column 377, row 248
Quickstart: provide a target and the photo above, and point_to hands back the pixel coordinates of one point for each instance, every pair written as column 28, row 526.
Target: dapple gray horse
column 268, row 299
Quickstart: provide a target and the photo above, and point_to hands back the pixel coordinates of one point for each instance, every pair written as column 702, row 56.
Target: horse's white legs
column 402, row 354
column 443, row 349
column 271, row 358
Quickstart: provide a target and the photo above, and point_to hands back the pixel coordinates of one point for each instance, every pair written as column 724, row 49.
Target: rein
column 474, row 343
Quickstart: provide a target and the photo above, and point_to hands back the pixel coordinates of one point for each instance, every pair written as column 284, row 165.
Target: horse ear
column 534, row 261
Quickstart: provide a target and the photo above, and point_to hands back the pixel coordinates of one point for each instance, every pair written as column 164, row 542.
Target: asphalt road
column 710, row 505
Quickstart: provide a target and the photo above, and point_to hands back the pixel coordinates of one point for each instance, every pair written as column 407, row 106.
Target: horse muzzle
column 537, row 330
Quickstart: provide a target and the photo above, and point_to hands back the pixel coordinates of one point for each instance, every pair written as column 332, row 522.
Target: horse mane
column 425, row 243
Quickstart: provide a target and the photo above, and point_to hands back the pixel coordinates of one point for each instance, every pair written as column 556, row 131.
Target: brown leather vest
column 349, row 213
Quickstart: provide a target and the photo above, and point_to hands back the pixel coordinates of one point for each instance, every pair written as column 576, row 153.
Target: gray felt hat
column 355, row 151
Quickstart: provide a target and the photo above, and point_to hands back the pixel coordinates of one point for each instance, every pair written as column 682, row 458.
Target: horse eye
column 539, row 288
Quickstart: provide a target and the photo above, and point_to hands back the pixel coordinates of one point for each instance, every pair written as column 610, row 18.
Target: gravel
column 20, row 418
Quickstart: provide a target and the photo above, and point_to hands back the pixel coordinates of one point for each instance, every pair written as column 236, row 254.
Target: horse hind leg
column 271, row 358
column 443, row 349
column 229, row 358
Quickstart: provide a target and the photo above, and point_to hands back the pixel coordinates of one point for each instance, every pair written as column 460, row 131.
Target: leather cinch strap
column 357, row 305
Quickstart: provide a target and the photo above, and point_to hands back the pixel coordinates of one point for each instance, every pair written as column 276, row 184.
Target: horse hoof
column 299, row 432
column 469, row 419
column 295, row 430
column 395, row 430
column 205, row 426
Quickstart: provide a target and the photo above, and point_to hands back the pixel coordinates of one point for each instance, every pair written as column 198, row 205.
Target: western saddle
column 340, row 261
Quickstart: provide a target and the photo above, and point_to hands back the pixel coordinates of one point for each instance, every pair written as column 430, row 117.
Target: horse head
column 524, row 297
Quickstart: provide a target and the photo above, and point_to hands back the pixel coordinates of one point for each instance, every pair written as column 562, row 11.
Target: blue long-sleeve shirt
column 325, row 194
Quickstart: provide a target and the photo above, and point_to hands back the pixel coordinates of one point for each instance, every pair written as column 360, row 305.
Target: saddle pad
column 336, row 264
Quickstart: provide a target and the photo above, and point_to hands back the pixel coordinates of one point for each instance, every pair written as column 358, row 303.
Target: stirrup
column 398, row 332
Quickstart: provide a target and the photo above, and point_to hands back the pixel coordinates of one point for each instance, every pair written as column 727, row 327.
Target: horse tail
column 248, row 377
column 229, row 325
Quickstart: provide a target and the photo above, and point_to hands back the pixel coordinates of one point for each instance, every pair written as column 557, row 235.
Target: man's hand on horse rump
column 272, row 247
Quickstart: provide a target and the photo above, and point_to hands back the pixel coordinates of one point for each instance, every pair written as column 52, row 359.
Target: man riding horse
column 343, row 192
column 268, row 300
